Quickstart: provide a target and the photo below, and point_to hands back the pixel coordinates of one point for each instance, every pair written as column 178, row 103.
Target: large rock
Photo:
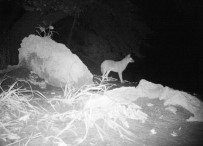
column 171, row 97
column 53, row 62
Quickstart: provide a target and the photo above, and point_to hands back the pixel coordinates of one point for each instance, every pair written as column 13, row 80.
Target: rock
column 53, row 62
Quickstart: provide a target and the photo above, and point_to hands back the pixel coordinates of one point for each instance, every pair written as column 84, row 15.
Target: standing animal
column 116, row 66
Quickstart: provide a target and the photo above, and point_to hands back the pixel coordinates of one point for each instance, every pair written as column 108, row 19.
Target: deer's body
column 116, row 66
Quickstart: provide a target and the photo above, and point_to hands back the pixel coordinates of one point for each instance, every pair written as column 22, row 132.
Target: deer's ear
column 128, row 55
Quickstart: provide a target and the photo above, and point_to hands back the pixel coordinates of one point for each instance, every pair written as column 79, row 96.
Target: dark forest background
column 164, row 37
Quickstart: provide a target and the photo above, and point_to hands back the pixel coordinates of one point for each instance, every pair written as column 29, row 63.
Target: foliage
column 46, row 32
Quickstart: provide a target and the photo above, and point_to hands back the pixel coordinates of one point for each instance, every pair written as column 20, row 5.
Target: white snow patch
column 174, row 134
column 171, row 109
column 150, row 104
column 153, row 131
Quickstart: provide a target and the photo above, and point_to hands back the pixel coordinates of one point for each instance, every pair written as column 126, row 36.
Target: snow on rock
column 174, row 97
column 9, row 68
column 187, row 101
column 169, row 95
column 53, row 62
column 129, row 94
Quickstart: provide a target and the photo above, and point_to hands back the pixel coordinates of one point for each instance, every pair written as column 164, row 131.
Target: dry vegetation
column 30, row 118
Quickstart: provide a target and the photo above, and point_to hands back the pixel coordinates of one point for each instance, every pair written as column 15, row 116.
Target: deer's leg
column 120, row 76
column 107, row 73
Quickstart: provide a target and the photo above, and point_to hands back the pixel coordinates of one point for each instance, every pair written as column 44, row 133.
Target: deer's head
column 129, row 58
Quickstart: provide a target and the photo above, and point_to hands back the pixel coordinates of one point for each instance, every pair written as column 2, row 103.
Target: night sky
column 173, row 56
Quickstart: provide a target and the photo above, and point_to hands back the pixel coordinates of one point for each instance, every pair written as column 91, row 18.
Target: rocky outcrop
column 53, row 62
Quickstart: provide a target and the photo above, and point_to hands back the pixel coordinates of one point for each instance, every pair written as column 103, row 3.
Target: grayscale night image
column 101, row 73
